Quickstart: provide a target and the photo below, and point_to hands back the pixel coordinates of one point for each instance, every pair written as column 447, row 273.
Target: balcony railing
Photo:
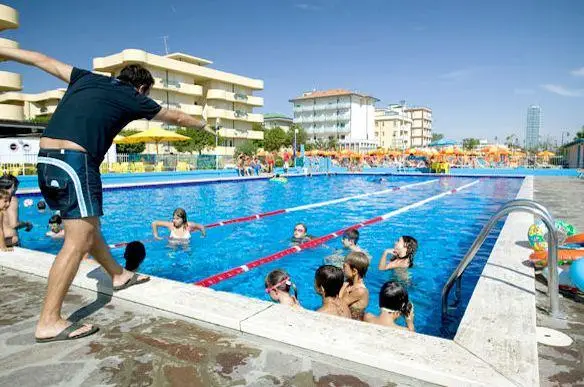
column 240, row 113
column 240, row 96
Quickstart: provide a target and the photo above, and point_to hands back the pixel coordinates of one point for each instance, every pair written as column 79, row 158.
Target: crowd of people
column 341, row 284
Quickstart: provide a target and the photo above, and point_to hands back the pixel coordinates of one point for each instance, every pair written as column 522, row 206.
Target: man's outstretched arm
column 176, row 117
column 50, row 65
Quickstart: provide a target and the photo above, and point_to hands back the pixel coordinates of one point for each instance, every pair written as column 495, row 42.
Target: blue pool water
column 445, row 229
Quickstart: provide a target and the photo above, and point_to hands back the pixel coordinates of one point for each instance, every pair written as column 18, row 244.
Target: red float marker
column 262, row 215
column 215, row 279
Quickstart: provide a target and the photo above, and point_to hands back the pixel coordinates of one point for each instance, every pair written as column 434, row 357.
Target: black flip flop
column 64, row 334
column 131, row 282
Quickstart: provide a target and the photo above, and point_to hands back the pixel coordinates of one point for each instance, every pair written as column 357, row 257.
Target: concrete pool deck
column 495, row 352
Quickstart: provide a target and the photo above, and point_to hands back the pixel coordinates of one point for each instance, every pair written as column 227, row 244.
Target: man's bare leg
column 79, row 237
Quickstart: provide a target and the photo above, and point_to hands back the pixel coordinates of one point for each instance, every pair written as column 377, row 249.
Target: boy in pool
column 278, row 285
column 56, row 228
column 5, row 197
column 328, row 281
column 402, row 254
column 349, row 241
column 41, row 206
column 354, row 292
column 394, row 303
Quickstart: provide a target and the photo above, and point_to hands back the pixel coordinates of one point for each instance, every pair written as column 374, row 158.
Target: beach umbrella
column 153, row 135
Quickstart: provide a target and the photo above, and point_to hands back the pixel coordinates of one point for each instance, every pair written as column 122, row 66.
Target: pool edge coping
column 449, row 361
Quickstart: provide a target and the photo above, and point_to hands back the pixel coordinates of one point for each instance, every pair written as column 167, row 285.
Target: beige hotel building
column 182, row 82
column 186, row 83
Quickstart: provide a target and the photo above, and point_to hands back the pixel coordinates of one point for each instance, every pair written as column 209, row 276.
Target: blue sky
column 477, row 64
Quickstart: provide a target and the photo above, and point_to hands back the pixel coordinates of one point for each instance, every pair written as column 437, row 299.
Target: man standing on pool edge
column 93, row 111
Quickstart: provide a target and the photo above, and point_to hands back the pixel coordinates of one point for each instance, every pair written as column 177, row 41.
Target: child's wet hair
column 330, row 278
column 411, row 248
column 280, row 279
column 41, row 205
column 394, row 296
column 352, row 235
column 359, row 261
column 134, row 255
column 303, row 226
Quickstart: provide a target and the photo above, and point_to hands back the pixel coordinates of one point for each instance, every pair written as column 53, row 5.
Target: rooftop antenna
column 165, row 38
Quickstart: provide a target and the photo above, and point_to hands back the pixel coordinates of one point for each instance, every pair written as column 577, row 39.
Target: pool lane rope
column 294, row 209
column 215, row 279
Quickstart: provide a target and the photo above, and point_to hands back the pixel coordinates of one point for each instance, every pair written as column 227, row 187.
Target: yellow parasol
column 154, row 135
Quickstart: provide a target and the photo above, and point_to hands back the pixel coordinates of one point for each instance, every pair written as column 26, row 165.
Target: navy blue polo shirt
column 95, row 109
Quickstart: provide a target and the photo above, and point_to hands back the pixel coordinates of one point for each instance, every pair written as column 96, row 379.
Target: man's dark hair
column 134, row 255
column 136, row 76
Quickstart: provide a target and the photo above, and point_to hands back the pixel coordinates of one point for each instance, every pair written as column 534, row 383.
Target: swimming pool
column 445, row 228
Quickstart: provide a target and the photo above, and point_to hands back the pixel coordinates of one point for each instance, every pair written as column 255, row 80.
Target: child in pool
column 394, row 303
column 349, row 241
column 56, row 227
column 180, row 228
column 134, row 255
column 300, row 235
column 5, row 198
column 354, row 292
column 402, row 254
column 328, row 281
column 278, row 285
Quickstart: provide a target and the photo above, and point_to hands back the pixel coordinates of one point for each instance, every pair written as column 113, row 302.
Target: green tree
column 200, row 139
column 274, row 139
column 437, row 136
column 580, row 134
column 257, row 126
column 470, row 143
column 41, row 119
column 332, row 143
column 301, row 136
column 130, row 148
column 511, row 141
column 247, row 147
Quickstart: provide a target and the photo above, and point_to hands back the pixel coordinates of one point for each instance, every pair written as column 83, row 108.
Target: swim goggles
column 286, row 281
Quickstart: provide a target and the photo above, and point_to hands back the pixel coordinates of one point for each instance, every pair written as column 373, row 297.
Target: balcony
column 10, row 81
column 246, row 134
column 235, row 97
column 8, row 18
column 178, row 87
column 193, row 110
column 11, row 112
column 238, row 115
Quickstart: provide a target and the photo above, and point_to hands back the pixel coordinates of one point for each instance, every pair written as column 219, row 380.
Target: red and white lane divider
column 215, row 279
column 250, row 218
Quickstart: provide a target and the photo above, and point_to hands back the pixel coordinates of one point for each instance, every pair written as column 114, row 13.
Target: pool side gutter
column 499, row 322
column 495, row 344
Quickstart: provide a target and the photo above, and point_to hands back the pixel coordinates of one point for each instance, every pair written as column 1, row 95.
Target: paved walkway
column 141, row 346
column 562, row 366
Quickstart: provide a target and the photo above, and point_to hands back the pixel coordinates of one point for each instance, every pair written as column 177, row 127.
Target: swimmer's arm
column 3, row 246
column 159, row 223
column 176, row 117
column 50, row 65
column 197, row 226
column 383, row 261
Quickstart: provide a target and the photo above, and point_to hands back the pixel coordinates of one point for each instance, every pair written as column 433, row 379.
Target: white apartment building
column 421, row 133
column 338, row 114
column 272, row 120
column 393, row 127
column 186, row 83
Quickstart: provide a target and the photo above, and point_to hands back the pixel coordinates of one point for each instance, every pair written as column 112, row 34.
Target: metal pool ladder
column 519, row 205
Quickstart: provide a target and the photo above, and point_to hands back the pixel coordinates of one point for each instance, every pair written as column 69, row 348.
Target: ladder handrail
column 522, row 205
